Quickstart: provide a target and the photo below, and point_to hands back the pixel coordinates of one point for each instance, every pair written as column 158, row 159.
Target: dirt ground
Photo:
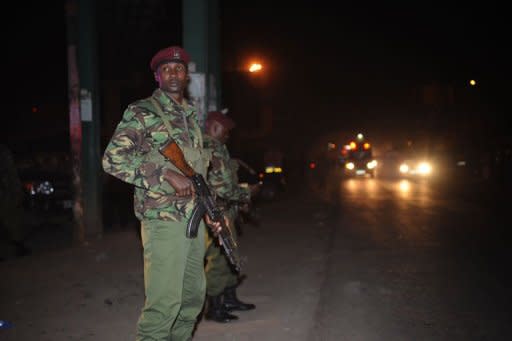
column 96, row 292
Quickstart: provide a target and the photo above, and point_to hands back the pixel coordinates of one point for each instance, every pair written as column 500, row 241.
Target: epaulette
column 145, row 104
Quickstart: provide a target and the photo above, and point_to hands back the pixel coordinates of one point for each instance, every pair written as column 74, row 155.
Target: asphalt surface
column 343, row 259
column 416, row 260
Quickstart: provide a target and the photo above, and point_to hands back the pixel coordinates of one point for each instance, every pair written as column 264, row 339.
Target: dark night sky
column 361, row 65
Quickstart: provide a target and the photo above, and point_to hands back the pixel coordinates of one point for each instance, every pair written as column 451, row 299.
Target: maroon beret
column 169, row 54
column 217, row 116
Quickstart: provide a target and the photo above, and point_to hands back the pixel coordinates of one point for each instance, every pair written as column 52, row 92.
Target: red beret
column 170, row 54
column 217, row 116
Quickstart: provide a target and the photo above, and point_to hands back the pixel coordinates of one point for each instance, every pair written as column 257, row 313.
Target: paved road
column 379, row 259
column 361, row 259
column 413, row 260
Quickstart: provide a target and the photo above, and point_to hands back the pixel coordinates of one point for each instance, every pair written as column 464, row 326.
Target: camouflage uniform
column 223, row 180
column 173, row 264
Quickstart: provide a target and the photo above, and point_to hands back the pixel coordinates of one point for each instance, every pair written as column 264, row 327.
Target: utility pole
column 201, row 40
column 90, row 114
column 75, row 124
column 84, row 119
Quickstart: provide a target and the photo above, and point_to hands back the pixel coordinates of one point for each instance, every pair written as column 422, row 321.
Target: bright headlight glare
column 350, row 165
column 372, row 164
column 269, row 170
column 404, row 168
column 424, row 168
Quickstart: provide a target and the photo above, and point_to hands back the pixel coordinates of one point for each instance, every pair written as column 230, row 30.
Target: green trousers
column 218, row 271
column 174, row 281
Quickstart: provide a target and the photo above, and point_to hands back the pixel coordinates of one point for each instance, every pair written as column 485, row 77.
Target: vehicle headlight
column 45, row 188
column 372, row 164
column 424, row 168
column 404, row 168
column 350, row 165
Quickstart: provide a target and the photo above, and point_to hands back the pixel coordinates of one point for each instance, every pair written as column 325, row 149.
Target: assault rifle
column 245, row 213
column 206, row 203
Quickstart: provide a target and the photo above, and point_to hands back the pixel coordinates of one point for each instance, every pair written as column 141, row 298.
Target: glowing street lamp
column 255, row 67
column 472, row 82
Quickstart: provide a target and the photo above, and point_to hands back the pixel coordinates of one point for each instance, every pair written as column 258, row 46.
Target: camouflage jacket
column 132, row 155
column 222, row 173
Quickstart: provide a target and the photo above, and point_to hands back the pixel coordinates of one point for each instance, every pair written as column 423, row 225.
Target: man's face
column 172, row 77
column 224, row 136
column 220, row 132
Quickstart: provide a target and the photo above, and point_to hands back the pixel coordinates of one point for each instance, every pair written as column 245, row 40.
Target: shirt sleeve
column 127, row 155
column 221, row 177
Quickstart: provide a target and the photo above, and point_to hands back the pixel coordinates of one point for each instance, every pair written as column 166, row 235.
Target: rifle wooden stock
column 172, row 152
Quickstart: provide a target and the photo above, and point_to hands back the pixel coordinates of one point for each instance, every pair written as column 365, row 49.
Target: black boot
column 216, row 311
column 231, row 301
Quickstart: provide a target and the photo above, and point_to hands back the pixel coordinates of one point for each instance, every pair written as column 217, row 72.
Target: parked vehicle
column 44, row 168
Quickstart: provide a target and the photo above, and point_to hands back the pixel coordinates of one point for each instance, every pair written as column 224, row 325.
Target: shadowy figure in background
column 247, row 212
column 12, row 229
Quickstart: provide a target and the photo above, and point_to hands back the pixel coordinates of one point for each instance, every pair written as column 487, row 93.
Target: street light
column 255, row 67
column 472, row 82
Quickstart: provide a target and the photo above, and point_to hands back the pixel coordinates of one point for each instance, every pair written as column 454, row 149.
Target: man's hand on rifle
column 181, row 184
column 214, row 226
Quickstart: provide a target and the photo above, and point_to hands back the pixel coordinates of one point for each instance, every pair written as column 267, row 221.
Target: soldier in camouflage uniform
column 221, row 280
column 174, row 276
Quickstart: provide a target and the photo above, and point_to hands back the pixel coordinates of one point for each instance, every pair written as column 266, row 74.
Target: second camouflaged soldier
column 174, row 277
column 221, row 280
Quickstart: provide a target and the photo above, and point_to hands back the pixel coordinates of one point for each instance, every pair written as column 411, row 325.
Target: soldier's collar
column 167, row 101
column 213, row 143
